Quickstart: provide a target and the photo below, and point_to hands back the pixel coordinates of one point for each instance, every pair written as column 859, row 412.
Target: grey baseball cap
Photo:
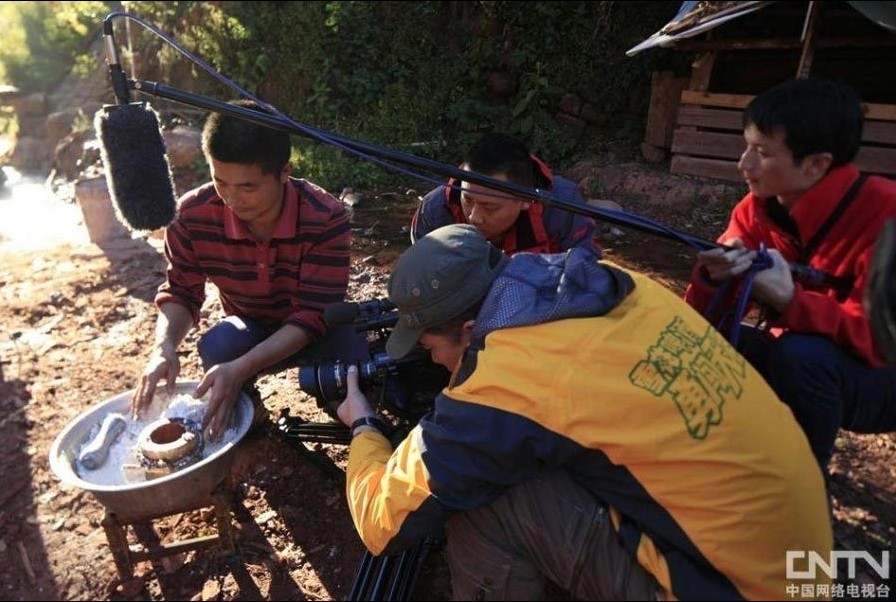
column 438, row 278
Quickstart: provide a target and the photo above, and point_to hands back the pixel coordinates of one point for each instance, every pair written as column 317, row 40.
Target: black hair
column 816, row 116
column 497, row 153
column 233, row 140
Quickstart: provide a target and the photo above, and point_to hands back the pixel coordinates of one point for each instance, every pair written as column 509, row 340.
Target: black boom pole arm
column 408, row 159
column 801, row 272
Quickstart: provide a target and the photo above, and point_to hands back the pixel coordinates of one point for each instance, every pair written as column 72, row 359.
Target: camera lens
column 326, row 381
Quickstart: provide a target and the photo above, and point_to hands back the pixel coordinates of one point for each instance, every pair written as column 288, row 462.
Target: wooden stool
column 150, row 546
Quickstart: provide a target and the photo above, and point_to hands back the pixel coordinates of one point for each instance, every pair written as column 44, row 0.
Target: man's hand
column 224, row 381
column 721, row 264
column 355, row 405
column 164, row 363
column 774, row 287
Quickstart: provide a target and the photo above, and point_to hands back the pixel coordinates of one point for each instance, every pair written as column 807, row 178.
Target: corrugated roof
column 694, row 18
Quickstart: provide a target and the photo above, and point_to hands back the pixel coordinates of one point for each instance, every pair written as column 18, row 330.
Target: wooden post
column 810, row 31
column 665, row 93
column 701, row 71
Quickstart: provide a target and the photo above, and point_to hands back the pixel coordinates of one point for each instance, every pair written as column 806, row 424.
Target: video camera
column 357, row 334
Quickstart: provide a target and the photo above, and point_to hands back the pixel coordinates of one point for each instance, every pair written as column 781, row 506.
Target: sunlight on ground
column 31, row 217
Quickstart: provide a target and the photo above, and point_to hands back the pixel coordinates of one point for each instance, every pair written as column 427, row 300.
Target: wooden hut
column 739, row 49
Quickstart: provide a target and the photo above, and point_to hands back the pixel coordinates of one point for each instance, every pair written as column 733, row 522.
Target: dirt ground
column 75, row 322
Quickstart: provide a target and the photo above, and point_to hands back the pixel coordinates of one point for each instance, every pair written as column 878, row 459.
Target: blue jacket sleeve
column 432, row 213
column 570, row 229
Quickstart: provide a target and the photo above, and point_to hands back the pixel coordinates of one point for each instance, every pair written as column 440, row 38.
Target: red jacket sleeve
column 844, row 322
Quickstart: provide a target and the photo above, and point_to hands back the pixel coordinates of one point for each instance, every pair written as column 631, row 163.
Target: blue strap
column 730, row 320
column 715, row 304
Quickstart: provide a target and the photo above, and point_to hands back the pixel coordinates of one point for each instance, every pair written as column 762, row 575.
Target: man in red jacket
column 809, row 205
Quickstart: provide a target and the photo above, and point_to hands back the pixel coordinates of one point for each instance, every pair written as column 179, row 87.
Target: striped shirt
column 287, row 280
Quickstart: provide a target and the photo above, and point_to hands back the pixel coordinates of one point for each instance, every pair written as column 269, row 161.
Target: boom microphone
column 116, row 74
column 133, row 153
column 136, row 165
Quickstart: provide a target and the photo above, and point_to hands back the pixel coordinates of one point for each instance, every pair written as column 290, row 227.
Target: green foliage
column 405, row 74
column 424, row 77
column 415, row 76
column 202, row 28
column 41, row 40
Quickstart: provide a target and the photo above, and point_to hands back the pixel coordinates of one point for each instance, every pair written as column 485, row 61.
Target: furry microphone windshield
column 136, row 164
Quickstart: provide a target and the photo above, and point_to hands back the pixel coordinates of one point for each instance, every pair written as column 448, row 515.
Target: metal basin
column 179, row 491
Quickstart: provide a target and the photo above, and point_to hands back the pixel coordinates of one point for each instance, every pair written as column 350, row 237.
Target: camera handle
column 299, row 431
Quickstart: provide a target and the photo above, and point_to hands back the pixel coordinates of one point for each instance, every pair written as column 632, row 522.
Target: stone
column 99, row 214
column 184, row 145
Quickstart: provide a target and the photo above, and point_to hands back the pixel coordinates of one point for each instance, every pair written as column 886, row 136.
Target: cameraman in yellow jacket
column 596, row 432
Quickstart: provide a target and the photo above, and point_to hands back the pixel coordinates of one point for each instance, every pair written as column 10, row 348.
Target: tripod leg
column 389, row 577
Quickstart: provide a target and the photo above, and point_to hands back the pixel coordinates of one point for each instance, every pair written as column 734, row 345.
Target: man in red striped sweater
column 276, row 248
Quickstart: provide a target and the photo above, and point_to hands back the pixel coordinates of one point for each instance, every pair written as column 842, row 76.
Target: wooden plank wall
column 708, row 137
